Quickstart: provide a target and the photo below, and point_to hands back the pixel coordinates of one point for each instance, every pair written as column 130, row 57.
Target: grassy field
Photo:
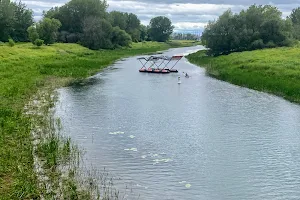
column 23, row 70
column 275, row 71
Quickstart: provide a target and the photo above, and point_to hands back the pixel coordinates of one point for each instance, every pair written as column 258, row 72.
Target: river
column 202, row 139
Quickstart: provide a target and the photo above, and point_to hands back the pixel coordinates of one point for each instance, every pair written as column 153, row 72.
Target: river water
column 202, row 139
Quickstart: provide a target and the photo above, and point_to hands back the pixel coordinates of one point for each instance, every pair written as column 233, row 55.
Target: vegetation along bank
column 256, row 48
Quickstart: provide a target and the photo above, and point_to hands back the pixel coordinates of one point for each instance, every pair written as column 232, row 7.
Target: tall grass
column 275, row 71
column 23, row 70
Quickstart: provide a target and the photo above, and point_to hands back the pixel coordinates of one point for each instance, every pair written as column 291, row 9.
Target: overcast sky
column 186, row 15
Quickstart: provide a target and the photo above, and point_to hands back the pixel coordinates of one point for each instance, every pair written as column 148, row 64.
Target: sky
column 186, row 15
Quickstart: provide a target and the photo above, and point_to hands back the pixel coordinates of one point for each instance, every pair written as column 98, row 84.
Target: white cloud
column 185, row 14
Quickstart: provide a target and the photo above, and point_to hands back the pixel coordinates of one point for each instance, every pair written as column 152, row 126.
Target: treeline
column 184, row 36
column 257, row 27
column 80, row 21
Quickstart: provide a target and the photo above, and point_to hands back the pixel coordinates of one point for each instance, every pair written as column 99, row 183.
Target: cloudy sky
column 186, row 15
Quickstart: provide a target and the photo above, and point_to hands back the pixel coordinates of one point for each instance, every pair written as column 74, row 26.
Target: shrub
column 11, row 42
column 32, row 34
column 120, row 38
column 257, row 44
column 271, row 44
column 39, row 42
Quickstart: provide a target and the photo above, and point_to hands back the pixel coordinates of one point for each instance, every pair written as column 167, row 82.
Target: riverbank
column 276, row 71
column 25, row 69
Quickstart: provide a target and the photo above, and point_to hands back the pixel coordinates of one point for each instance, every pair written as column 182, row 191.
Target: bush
column 11, row 42
column 120, row 38
column 257, row 44
column 271, row 44
column 39, row 42
column 72, row 38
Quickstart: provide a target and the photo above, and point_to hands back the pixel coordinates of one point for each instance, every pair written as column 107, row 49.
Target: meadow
column 25, row 69
column 276, row 71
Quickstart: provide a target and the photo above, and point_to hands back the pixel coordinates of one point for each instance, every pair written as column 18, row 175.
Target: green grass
column 23, row 70
column 275, row 71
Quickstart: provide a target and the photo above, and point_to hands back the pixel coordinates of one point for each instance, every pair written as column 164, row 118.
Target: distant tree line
column 80, row 21
column 184, row 36
column 257, row 27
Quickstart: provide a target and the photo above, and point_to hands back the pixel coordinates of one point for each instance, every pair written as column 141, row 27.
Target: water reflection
column 203, row 139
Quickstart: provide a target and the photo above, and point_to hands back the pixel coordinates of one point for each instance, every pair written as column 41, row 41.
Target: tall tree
column 133, row 27
column 97, row 33
column 23, row 19
column 7, row 18
column 295, row 18
column 119, row 19
column 48, row 30
column 160, row 28
column 15, row 18
column 73, row 14
column 143, row 32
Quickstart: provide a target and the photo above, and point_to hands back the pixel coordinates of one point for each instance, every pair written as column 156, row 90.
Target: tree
column 7, row 10
column 160, row 28
column 14, row 20
column 255, row 28
column 96, row 33
column 73, row 14
column 119, row 19
column 295, row 18
column 120, row 38
column 48, row 30
column 133, row 27
column 143, row 32
column 23, row 19
column 32, row 34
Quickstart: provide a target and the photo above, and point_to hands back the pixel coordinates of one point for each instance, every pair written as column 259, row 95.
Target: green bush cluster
column 11, row 42
column 257, row 27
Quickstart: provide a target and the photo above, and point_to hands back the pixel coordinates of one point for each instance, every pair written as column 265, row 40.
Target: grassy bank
column 275, row 71
column 24, row 69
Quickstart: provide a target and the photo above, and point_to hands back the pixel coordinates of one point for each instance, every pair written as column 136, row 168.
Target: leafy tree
column 255, row 28
column 120, row 38
column 7, row 17
column 14, row 20
column 73, row 14
column 32, row 34
column 48, row 30
column 96, row 33
column 128, row 22
column 119, row 19
column 23, row 19
column 295, row 18
column 143, row 32
column 133, row 27
column 160, row 28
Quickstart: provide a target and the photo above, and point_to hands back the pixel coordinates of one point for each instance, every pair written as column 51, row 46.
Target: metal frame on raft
column 157, row 62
